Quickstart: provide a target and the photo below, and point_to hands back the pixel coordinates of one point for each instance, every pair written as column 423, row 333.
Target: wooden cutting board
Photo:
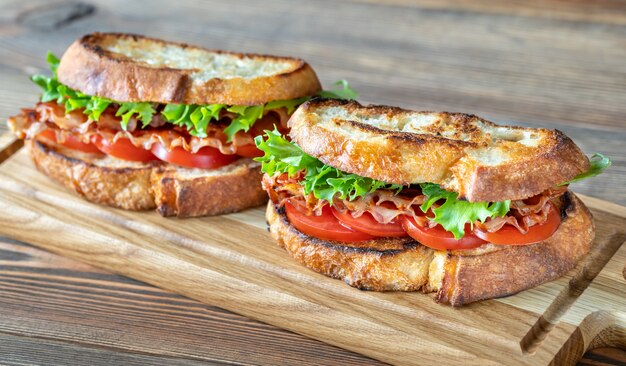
column 231, row 262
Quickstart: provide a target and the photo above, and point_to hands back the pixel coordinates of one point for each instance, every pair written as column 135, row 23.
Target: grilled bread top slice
column 478, row 159
column 132, row 68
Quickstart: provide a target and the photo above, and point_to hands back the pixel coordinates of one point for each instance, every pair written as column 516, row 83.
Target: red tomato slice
column 205, row 158
column 509, row 235
column 325, row 227
column 71, row 142
column 367, row 224
column 438, row 238
column 249, row 151
column 124, row 149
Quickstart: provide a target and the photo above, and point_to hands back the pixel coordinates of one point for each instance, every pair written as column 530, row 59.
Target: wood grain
column 205, row 259
column 534, row 65
column 541, row 63
column 604, row 11
column 61, row 310
column 26, row 272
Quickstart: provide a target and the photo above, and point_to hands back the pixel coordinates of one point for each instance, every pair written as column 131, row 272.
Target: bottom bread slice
column 457, row 277
column 172, row 190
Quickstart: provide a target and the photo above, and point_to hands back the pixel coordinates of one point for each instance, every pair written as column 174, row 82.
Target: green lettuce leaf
column 290, row 104
column 344, row 93
column 50, row 85
column 246, row 116
column 598, row 163
column 96, row 106
column 142, row 110
column 53, row 61
column 325, row 182
column 453, row 213
column 194, row 118
column 92, row 106
column 282, row 156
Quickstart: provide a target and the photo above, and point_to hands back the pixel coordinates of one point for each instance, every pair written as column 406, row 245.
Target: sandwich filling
column 195, row 136
column 324, row 202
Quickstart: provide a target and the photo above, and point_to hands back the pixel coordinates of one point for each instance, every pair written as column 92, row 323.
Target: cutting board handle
column 598, row 329
column 9, row 145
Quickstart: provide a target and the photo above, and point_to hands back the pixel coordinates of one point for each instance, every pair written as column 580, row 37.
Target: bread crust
column 456, row 277
column 469, row 278
column 463, row 153
column 124, row 187
column 208, row 195
column 173, row 191
column 90, row 66
column 378, row 265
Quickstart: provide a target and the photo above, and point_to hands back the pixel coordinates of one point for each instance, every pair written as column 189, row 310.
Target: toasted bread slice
column 173, row 191
column 132, row 68
column 463, row 153
column 457, row 277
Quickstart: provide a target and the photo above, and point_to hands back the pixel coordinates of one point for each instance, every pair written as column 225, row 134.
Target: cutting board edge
column 594, row 201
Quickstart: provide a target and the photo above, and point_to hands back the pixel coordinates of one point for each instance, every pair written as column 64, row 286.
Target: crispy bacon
column 22, row 123
column 52, row 116
column 525, row 213
column 283, row 189
column 55, row 113
column 385, row 206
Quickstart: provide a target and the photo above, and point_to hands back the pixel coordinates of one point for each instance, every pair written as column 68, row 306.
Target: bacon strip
column 52, row 116
column 385, row 206
column 523, row 214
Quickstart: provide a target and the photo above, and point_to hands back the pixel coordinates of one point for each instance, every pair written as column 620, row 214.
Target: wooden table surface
column 538, row 63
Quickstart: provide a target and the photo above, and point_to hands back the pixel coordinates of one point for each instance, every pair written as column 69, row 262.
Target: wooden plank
column 66, row 304
column 18, row 350
column 142, row 307
column 532, row 70
column 204, row 259
column 503, row 61
column 602, row 324
column 525, row 69
column 604, row 357
column 604, row 11
column 9, row 145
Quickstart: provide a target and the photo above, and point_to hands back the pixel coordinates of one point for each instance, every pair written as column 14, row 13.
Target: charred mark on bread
column 567, row 205
column 409, row 244
column 90, row 41
column 326, row 101
column 167, row 205
column 412, row 137
column 281, row 211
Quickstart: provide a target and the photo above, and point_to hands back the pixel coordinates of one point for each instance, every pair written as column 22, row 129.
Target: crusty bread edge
column 384, row 156
column 87, row 67
column 363, row 268
column 126, row 188
column 455, row 277
column 236, row 191
column 467, row 279
column 152, row 185
column 522, row 179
